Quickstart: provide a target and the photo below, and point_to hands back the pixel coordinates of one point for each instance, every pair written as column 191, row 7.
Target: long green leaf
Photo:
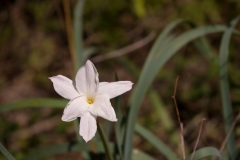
column 155, row 101
column 33, row 103
column 224, row 86
column 77, row 28
column 162, row 37
column 205, row 152
column 6, row 153
column 138, row 155
column 151, row 69
column 117, row 125
column 161, row 40
column 151, row 138
column 204, row 48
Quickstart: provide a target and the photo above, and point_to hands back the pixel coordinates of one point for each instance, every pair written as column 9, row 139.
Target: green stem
column 104, row 140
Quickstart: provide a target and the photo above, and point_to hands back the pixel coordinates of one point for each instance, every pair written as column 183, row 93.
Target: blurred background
column 34, row 45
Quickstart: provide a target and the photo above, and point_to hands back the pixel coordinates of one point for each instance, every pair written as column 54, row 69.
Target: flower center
column 90, row 101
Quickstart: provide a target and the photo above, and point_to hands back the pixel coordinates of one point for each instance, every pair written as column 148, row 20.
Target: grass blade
column 77, row 28
column 130, row 124
column 162, row 40
column 150, row 70
column 6, row 153
column 205, row 152
column 34, row 103
column 162, row 37
column 138, row 155
column 151, row 138
column 224, row 86
column 117, row 125
column 203, row 46
column 155, row 101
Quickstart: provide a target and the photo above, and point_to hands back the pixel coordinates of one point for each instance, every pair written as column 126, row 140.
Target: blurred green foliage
column 33, row 45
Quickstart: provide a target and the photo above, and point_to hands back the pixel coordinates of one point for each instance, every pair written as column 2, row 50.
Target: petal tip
column 131, row 83
column 89, row 62
column 54, row 77
column 50, row 78
column 63, row 118
column 66, row 119
column 114, row 119
column 86, row 140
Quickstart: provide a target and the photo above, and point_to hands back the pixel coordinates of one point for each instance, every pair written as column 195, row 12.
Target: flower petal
column 87, row 80
column 64, row 87
column 75, row 108
column 103, row 108
column 102, row 83
column 115, row 89
column 88, row 126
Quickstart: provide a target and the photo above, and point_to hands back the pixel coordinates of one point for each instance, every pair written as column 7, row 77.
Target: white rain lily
column 88, row 98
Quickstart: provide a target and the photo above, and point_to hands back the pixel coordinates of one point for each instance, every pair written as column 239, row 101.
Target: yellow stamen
column 90, row 101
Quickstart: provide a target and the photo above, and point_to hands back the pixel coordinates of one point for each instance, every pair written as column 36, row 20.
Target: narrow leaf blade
column 156, row 142
column 34, row 103
column 6, row 153
column 224, row 86
column 77, row 28
column 150, row 71
column 138, row 155
column 205, row 152
column 117, row 125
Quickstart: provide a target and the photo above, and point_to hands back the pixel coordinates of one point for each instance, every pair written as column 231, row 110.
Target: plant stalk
column 104, row 140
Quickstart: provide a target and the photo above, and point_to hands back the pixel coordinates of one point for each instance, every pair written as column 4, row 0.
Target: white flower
column 88, row 98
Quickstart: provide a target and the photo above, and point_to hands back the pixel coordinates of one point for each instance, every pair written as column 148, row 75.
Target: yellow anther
column 90, row 101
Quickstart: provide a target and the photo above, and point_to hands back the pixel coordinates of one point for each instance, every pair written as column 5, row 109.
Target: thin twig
column 124, row 50
column 92, row 146
column 179, row 120
column 175, row 102
column 198, row 138
column 182, row 142
column 68, row 23
column 229, row 132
